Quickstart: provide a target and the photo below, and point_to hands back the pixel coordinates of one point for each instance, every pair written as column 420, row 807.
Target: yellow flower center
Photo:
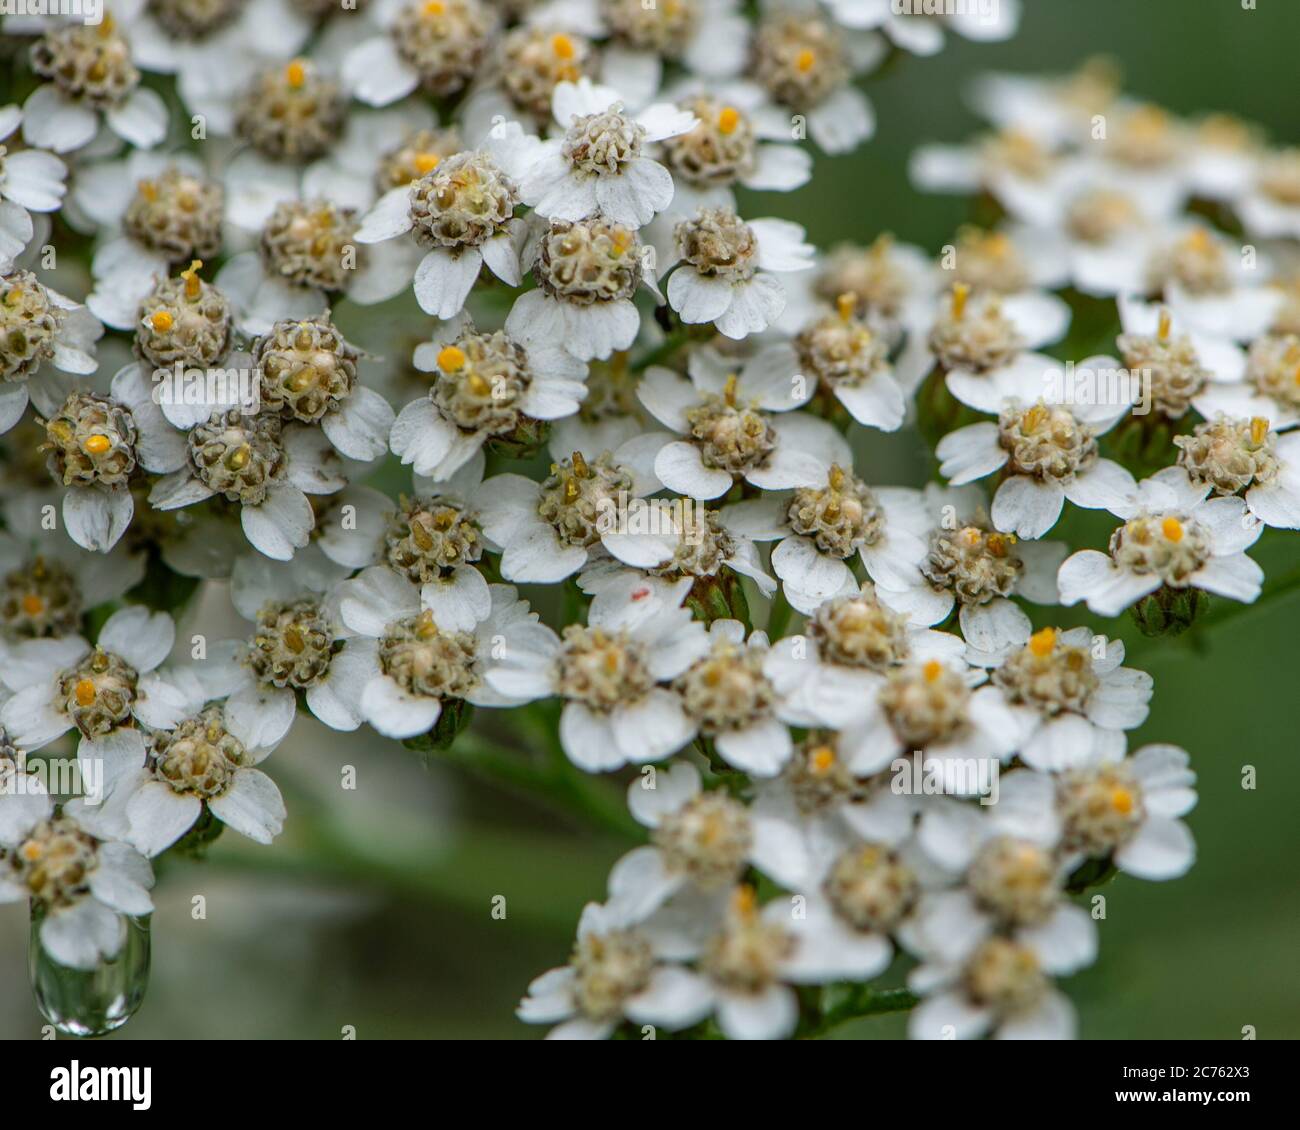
column 1042, row 643
column 451, row 359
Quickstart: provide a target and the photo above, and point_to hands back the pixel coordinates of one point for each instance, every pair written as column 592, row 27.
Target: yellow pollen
column 434, row 8
column 932, row 670
column 31, row 851
column 238, row 459
column 191, row 277
column 1258, row 429
column 1121, row 800
column 571, row 491
column 805, row 60
column 729, row 390
column 97, row 444
column 15, row 296
column 728, row 119
column 960, row 296
column 1034, row 418
column 1199, row 240
column 1172, row 528
column 744, row 901
column 107, row 26
column 148, row 190
column 847, row 305
column 478, row 384
column 822, row 759
column 84, row 692
column 295, row 73
column 580, row 465
column 1041, row 643
column 563, row 46
column 835, row 479
column 998, row 543
column 425, row 628
column 1164, row 326
column 451, row 359
column 33, row 605
column 162, row 321
column 426, row 162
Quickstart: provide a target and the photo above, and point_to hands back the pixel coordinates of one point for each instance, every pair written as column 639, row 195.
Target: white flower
column 807, row 65
column 91, row 76
column 300, row 645
column 62, row 684
column 922, row 34
column 437, row 46
column 705, row 549
column 1044, row 446
column 50, row 328
column 735, row 705
column 1177, row 539
column 598, row 165
column 207, row 761
column 426, row 645
column 1269, row 390
column 741, row 139
column 822, row 528
column 971, row 564
column 1132, row 808
column 613, row 676
column 215, row 59
column 1054, row 109
column 726, row 270
column 31, row 180
column 1266, row 201
column 308, row 251
column 929, row 708
column 1011, row 880
column 82, row 924
column 1027, row 177
column 463, row 211
column 1023, row 1004
column 53, row 582
column 157, row 210
column 485, row 386
column 726, row 418
column 96, row 442
column 269, row 469
column 587, row 273
column 1245, row 457
column 1066, row 688
column 549, row 530
column 1208, row 285
column 746, row 960
column 617, row 972
column 849, row 641
column 980, row 333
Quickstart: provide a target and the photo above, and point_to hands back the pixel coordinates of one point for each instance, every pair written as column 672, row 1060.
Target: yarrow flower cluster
column 879, row 735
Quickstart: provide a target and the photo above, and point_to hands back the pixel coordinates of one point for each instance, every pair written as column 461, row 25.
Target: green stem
column 779, row 617
column 555, row 782
column 861, row 1001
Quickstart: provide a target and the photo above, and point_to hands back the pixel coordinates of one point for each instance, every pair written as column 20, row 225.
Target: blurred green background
column 375, row 908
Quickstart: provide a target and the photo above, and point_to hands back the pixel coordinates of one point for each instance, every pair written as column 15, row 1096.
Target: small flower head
column 176, row 214
column 184, row 321
column 307, row 368
column 292, row 112
column 91, row 440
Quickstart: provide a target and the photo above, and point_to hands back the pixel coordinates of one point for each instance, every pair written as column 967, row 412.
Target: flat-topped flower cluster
column 927, row 766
